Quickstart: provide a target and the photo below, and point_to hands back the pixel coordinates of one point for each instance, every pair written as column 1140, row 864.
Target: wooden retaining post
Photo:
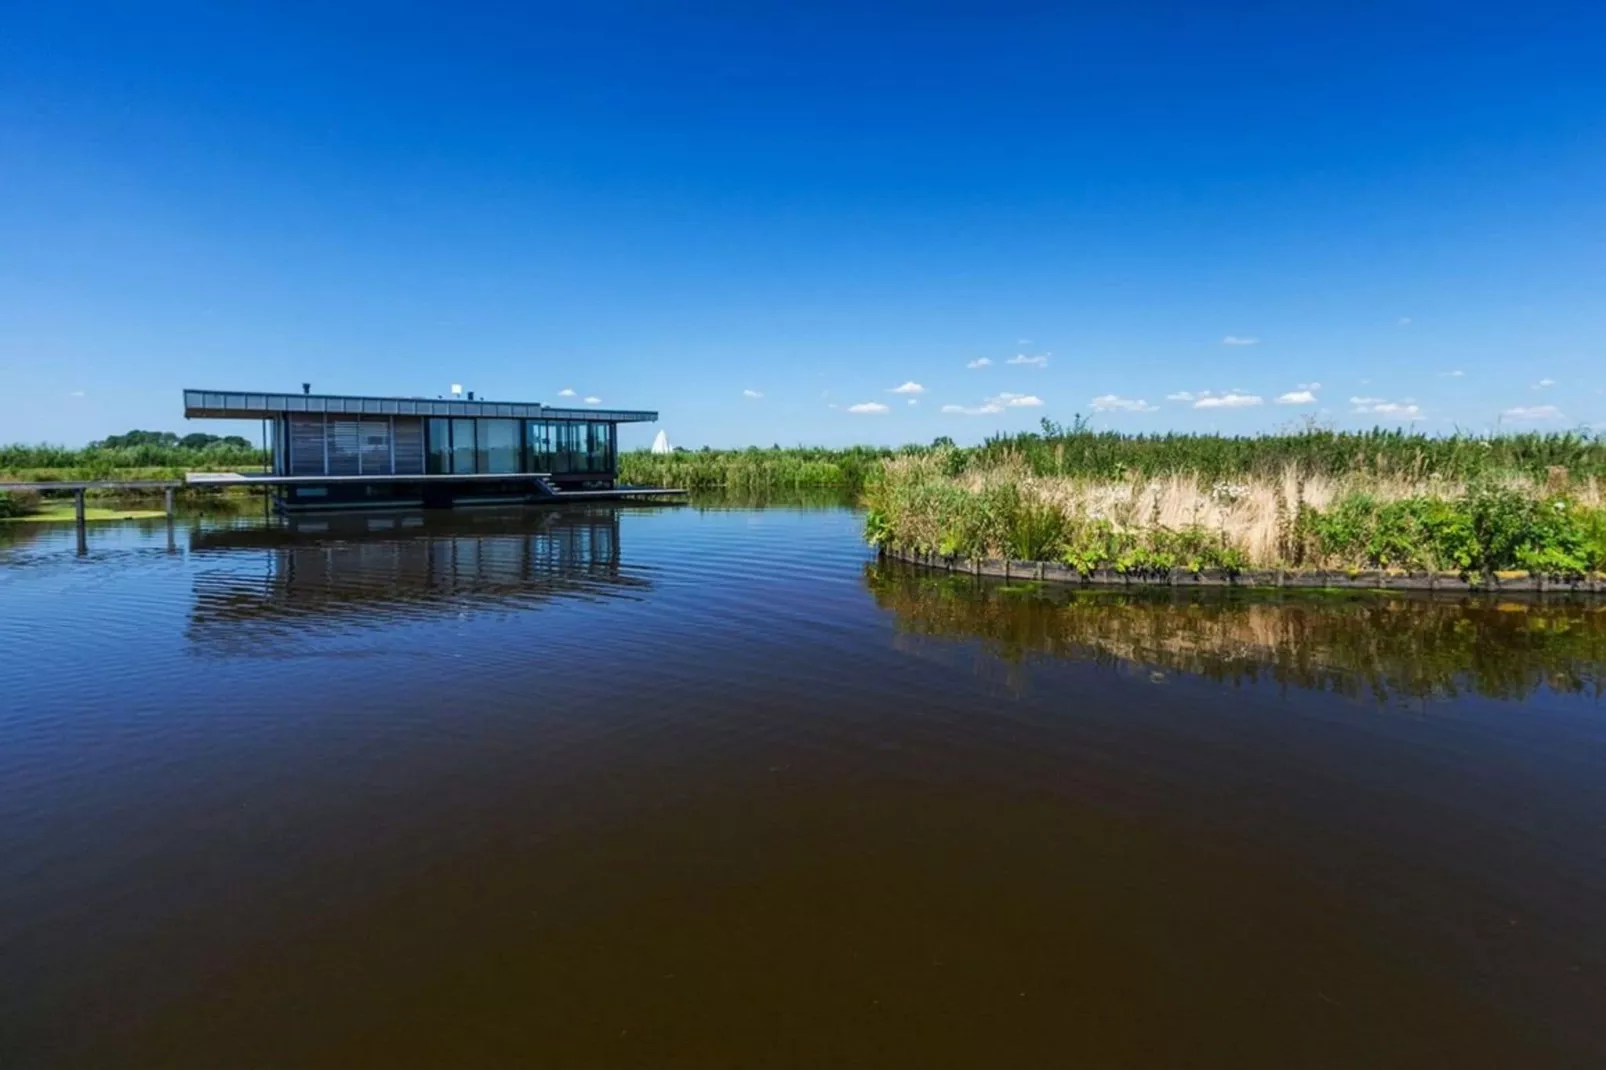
column 172, row 539
column 78, row 516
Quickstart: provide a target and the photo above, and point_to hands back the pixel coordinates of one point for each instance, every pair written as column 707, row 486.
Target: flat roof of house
column 258, row 405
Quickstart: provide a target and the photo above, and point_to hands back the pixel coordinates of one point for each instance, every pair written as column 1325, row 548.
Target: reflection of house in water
column 306, row 575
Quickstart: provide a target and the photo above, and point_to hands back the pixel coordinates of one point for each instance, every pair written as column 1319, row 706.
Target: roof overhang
column 255, row 405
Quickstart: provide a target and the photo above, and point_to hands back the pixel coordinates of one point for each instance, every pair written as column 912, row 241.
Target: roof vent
column 306, row 388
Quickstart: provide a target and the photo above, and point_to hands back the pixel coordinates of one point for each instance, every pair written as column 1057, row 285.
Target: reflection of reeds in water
column 1382, row 645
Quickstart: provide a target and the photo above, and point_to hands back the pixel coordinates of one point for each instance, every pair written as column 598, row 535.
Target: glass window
column 566, row 454
column 576, row 446
column 462, row 447
column 599, row 448
column 438, row 447
column 497, row 445
column 540, row 446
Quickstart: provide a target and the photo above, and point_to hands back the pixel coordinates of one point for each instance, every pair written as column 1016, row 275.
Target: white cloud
column 753, row 395
column 1455, row 374
column 1233, row 400
column 914, row 401
column 1023, row 341
column 76, row 394
column 1532, row 413
column 566, row 392
column 1235, row 340
column 1543, row 383
column 593, row 400
column 1182, row 395
column 868, row 408
column 1404, row 321
column 1039, row 360
column 1116, row 403
column 981, row 362
column 996, row 404
column 1303, row 394
column 911, row 387
column 1381, row 407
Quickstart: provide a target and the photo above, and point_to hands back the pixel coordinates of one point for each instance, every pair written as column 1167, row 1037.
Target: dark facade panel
column 345, row 442
column 306, row 446
column 409, row 446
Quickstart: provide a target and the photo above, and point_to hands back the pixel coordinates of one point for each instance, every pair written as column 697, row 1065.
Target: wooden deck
column 97, row 484
column 267, row 479
column 541, row 479
column 625, row 492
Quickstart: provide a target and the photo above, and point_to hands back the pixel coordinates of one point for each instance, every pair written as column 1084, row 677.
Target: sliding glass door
column 599, row 447
column 462, row 447
column 438, row 447
column 539, row 446
column 497, row 446
column 569, row 447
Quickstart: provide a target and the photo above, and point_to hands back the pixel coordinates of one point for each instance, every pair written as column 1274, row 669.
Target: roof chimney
column 306, row 388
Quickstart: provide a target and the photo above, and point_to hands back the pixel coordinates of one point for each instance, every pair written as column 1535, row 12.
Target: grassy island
column 1152, row 504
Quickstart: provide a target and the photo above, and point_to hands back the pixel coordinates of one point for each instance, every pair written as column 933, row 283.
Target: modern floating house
column 340, row 452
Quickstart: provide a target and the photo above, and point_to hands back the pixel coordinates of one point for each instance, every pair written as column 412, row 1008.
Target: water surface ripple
column 709, row 786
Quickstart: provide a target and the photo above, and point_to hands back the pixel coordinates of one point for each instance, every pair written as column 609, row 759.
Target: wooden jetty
column 80, row 488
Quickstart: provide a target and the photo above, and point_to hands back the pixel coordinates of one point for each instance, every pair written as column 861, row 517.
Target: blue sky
column 1157, row 215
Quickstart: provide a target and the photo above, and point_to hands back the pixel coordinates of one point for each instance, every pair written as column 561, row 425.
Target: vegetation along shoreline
column 1455, row 515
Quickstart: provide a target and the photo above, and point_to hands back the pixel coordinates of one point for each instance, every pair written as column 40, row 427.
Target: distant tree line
column 152, row 453
column 195, row 441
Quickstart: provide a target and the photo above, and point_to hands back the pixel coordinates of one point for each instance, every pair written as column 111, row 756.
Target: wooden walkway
column 79, row 487
column 98, row 484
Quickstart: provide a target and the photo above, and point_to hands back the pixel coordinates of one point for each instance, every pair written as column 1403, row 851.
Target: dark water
column 709, row 788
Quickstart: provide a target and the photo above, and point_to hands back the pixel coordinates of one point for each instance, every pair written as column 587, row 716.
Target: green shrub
column 1494, row 528
column 1344, row 530
column 1592, row 523
column 1038, row 532
column 1501, row 520
column 1096, row 544
column 14, row 503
